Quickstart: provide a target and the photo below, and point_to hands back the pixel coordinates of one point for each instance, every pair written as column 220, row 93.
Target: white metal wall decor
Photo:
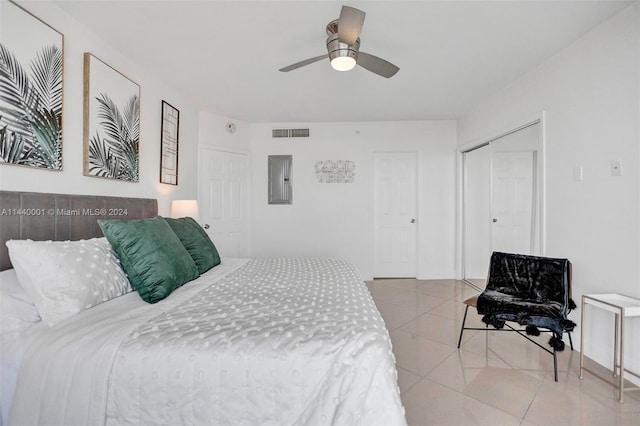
column 30, row 90
column 335, row 171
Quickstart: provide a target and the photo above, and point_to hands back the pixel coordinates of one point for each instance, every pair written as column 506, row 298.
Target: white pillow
column 17, row 311
column 66, row 277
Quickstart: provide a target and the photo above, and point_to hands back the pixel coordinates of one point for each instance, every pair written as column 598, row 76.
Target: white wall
column 590, row 94
column 335, row 219
column 77, row 40
column 213, row 131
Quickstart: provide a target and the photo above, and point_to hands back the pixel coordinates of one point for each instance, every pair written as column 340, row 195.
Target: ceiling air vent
column 290, row 133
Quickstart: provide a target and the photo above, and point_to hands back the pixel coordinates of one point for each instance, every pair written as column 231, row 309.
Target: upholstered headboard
column 60, row 217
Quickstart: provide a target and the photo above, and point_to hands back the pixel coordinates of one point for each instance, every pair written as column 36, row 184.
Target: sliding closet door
column 477, row 213
column 515, row 201
column 502, row 199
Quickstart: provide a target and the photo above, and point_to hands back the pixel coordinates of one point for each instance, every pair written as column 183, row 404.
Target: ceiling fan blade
column 377, row 65
column 350, row 24
column 303, row 63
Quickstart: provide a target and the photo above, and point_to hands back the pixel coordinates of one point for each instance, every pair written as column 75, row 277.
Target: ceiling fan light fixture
column 343, row 57
column 343, row 63
column 343, row 47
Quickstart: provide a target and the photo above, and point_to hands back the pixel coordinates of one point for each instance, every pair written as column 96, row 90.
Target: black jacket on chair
column 530, row 290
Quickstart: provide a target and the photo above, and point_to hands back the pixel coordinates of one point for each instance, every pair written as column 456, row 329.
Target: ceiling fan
column 343, row 47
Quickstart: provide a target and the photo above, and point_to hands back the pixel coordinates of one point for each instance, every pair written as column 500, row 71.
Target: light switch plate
column 577, row 173
column 616, row 167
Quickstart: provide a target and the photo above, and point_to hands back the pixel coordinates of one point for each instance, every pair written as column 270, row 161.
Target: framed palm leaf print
column 111, row 122
column 30, row 90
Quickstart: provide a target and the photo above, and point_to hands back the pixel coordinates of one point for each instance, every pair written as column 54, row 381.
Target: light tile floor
column 495, row 378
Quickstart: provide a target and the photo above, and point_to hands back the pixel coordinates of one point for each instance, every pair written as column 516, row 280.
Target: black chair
column 534, row 292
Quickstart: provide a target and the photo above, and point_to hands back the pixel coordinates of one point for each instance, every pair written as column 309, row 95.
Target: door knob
column 412, row 221
column 494, row 220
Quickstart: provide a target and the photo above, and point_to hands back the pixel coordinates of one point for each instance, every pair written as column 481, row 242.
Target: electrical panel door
column 280, row 185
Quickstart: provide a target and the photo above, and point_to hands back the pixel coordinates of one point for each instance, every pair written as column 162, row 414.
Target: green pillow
column 196, row 241
column 151, row 254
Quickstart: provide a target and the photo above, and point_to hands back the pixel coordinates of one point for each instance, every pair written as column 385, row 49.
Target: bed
column 266, row 341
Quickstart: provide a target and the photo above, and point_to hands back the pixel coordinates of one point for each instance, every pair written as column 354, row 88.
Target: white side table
column 623, row 307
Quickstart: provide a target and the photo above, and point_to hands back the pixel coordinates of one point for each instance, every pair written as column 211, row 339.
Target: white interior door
column 513, row 201
column 224, row 200
column 394, row 215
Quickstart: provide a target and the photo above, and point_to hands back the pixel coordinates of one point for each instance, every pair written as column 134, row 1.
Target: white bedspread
column 289, row 341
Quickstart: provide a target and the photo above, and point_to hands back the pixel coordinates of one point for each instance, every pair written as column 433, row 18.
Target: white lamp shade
column 185, row 208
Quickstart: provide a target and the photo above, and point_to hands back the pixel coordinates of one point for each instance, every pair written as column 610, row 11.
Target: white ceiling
column 225, row 55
